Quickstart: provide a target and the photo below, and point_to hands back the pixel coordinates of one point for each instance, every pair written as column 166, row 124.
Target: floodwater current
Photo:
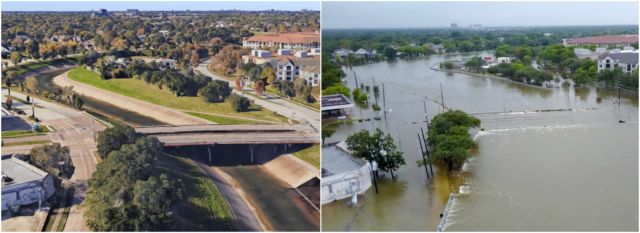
column 548, row 158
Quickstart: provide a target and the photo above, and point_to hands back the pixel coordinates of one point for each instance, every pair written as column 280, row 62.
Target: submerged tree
column 449, row 138
column 376, row 147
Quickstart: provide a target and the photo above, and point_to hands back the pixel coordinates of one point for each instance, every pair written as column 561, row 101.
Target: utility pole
column 424, row 160
column 33, row 109
column 442, row 98
column 356, row 78
column 618, row 88
column 426, row 149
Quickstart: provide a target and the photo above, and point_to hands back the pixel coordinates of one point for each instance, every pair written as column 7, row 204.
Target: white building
column 301, row 54
column 294, row 41
column 501, row 60
column 286, row 69
column 315, row 52
column 284, row 52
column 261, row 53
column 342, row 174
column 626, row 61
column 311, row 74
column 343, row 52
column 166, row 63
column 24, row 184
column 365, row 53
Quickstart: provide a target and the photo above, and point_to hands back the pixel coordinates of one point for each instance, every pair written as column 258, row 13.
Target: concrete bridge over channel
column 232, row 145
column 192, row 135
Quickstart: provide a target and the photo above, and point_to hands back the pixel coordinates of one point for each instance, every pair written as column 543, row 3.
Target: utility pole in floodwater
column 356, row 78
column 442, row 98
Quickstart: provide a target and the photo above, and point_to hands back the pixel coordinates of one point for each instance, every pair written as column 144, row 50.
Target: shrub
column 239, row 103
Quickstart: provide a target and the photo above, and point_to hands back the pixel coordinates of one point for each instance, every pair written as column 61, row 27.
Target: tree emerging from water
column 369, row 146
column 449, row 138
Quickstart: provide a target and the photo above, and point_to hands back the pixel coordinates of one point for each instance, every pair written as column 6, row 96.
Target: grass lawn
column 21, row 69
column 140, row 90
column 19, row 134
column 310, row 155
column 272, row 90
column 202, row 208
column 222, row 120
column 27, row 143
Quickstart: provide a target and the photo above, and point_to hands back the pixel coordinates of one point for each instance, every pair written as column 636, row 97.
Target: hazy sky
column 442, row 14
column 155, row 5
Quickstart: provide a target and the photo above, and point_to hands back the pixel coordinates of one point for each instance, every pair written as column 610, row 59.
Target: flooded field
column 533, row 139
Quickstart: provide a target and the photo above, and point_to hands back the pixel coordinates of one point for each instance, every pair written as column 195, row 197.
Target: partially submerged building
column 626, row 61
column 24, row 184
column 342, row 174
column 336, row 105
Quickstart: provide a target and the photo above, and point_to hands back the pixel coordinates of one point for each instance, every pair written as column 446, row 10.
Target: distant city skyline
column 157, row 6
column 370, row 15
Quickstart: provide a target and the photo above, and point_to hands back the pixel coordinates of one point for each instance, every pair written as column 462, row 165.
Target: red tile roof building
column 302, row 40
column 603, row 41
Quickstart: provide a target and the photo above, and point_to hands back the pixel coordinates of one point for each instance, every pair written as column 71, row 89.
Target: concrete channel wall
column 445, row 214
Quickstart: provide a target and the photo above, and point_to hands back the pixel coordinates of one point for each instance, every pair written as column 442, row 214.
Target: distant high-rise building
column 132, row 12
column 101, row 13
column 454, row 25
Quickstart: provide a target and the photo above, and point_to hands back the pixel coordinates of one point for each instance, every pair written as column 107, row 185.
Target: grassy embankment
column 310, row 155
column 140, row 90
column 203, row 208
column 21, row 69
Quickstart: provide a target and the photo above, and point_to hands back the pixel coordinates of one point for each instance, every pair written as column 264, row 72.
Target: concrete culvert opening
column 235, row 155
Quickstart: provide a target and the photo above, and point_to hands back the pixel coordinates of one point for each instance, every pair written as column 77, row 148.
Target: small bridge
column 193, row 135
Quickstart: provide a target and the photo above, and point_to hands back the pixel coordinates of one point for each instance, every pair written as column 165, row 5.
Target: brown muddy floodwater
column 548, row 159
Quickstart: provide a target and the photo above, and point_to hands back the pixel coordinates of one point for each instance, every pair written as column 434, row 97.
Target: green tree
column 215, row 91
column 113, row 138
column 376, row 147
column 475, row 63
column 54, row 159
column 128, row 193
column 449, row 140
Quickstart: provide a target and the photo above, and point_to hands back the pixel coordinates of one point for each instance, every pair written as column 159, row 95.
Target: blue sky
column 442, row 14
column 157, row 5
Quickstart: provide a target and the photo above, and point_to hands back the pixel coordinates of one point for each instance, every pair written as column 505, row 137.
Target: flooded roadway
column 521, row 152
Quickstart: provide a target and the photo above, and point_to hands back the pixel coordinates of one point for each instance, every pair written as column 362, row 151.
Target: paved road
column 245, row 215
column 281, row 106
column 74, row 129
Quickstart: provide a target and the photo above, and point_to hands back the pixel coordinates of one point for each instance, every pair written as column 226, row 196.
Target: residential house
column 343, row 52
column 626, row 61
column 501, row 60
column 311, row 73
column 365, row 53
